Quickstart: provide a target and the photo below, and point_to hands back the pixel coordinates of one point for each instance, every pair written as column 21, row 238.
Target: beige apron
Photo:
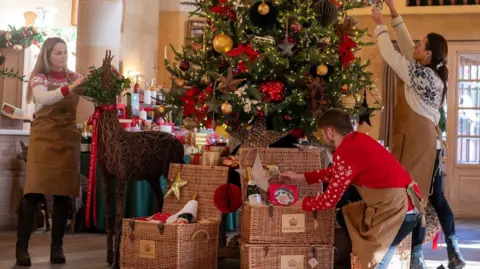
column 54, row 149
column 374, row 222
column 414, row 143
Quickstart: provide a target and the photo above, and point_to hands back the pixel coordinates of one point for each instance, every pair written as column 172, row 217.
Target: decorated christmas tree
column 270, row 64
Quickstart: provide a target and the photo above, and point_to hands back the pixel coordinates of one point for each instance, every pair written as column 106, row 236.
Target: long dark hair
column 437, row 44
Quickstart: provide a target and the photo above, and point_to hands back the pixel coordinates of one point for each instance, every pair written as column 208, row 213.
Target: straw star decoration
column 272, row 171
column 176, row 185
column 228, row 83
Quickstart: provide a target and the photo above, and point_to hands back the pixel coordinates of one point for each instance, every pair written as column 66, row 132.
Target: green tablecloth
column 140, row 200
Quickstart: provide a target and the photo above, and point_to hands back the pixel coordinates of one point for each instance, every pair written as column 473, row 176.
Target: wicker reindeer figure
column 128, row 156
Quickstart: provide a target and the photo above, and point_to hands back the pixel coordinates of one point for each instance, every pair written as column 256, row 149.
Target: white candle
column 165, row 52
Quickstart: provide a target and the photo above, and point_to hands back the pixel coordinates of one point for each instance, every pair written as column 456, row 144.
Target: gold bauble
column 358, row 97
column 222, row 43
column 180, row 82
column 322, row 70
column 161, row 109
column 226, row 108
column 205, row 79
column 348, row 101
column 263, row 8
column 189, row 123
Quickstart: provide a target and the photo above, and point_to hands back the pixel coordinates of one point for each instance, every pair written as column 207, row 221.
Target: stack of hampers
column 275, row 236
column 155, row 244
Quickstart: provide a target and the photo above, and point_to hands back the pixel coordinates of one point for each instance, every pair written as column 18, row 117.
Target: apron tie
column 417, row 202
column 92, row 168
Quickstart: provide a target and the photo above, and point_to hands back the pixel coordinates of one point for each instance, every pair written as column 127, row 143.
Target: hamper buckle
column 161, row 228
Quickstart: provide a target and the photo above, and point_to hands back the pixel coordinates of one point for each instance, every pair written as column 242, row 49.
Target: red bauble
column 260, row 114
column 296, row 27
column 273, row 91
column 184, row 65
column 228, row 198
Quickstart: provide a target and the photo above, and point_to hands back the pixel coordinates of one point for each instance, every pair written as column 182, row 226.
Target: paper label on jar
column 254, row 199
column 293, row 223
column 292, row 262
column 147, row 249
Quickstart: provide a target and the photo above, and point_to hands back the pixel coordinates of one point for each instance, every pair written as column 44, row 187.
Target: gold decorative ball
column 348, row 101
column 161, row 109
column 222, row 43
column 226, row 108
column 263, row 9
column 358, row 97
column 189, row 123
column 180, row 82
column 322, row 70
column 206, row 79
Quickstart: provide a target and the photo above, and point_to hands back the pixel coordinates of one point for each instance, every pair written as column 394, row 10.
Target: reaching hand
column 377, row 16
column 77, row 83
column 293, row 176
column 389, row 3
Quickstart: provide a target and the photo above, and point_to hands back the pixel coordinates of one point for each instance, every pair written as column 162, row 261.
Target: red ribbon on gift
column 92, row 168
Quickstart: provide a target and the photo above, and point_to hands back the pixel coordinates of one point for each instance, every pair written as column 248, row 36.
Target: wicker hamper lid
column 202, row 180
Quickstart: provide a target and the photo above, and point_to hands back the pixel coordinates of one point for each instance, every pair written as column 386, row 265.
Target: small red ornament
column 228, row 198
column 296, row 27
column 273, row 91
column 184, row 65
column 260, row 114
column 344, row 88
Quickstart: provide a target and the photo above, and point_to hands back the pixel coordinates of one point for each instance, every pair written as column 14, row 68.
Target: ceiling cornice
column 174, row 5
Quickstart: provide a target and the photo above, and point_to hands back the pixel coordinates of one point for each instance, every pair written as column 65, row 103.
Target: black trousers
column 35, row 198
column 440, row 203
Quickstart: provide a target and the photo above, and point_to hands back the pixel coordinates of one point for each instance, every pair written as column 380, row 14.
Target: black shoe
column 26, row 216
column 59, row 225
column 455, row 259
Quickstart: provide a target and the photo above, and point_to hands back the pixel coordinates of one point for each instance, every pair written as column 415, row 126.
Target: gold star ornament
column 176, row 185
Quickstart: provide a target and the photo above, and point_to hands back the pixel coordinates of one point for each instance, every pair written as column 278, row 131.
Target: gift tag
column 315, row 224
column 313, row 262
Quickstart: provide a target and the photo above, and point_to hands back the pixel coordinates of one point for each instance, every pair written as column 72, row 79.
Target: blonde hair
column 42, row 66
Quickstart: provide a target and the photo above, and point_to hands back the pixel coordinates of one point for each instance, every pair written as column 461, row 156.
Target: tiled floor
column 88, row 250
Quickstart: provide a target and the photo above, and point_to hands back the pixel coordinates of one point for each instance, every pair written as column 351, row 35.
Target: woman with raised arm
column 54, row 147
column 423, row 70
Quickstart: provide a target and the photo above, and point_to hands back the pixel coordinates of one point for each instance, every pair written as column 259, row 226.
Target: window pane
column 474, row 71
column 469, row 122
column 468, row 150
column 468, row 94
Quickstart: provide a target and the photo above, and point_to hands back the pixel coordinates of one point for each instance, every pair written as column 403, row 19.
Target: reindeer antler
column 107, row 82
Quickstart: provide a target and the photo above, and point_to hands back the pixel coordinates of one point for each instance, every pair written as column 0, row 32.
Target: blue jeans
column 409, row 223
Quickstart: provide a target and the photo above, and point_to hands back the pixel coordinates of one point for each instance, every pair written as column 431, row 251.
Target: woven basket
column 400, row 260
column 296, row 160
column 258, row 136
column 286, row 225
column 279, row 256
column 184, row 246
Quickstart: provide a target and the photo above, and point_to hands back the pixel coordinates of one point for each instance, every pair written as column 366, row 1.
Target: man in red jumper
column 391, row 205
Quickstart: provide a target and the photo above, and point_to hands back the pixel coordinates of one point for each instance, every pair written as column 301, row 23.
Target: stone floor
column 88, row 250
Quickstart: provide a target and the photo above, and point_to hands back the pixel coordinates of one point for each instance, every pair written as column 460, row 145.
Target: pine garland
column 11, row 73
column 23, row 37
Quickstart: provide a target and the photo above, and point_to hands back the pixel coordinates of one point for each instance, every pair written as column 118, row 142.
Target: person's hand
column 377, row 16
column 389, row 3
column 293, row 176
column 77, row 83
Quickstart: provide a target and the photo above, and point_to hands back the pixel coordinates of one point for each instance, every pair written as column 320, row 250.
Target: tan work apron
column 414, row 141
column 54, row 149
column 374, row 222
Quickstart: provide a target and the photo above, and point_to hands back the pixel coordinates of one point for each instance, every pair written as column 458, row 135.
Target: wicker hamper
column 286, row 225
column 296, row 160
column 148, row 245
column 279, row 256
column 400, row 260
